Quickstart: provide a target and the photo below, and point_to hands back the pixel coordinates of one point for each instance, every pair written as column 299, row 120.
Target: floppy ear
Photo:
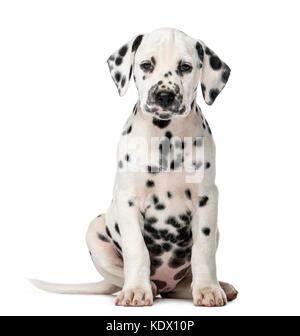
column 121, row 63
column 215, row 73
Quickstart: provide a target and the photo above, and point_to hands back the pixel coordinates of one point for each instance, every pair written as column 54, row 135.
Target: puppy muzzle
column 165, row 103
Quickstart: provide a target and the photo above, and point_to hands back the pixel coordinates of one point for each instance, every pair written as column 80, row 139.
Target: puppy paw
column 230, row 291
column 135, row 297
column 209, row 296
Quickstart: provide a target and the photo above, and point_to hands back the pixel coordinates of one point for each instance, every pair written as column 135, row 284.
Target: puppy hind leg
column 106, row 259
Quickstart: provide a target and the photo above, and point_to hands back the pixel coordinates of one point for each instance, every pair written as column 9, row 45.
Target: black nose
column 165, row 98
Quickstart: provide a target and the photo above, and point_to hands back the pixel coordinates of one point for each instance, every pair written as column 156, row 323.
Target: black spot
column 136, row 43
column 117, row 76
column 167, row 247
column 148, row 240
column 161, row 123
column 175, row 262
column 172, row 238
column 203, row 88
column 153, row 170
column 152, row 220
column 213, row 94
column 197, row 164
column 175, row 164
column 135, row 109
column 166, row 75
column 180, row 253
column 193, row 103
column 163, row 234
column 209, row 130
column 117, row 228
column 181, row 274
column 208, row 51
column 179, row 144
column 129, row 129
column 130, row 203
column 119, row 61
column 123, row 51
column 150, row 184
column 123, row 82
column 155, row 199
column 215, row 62
column 155, row 263
column 160, row 284
column 171, row 220
column 152, row 230
column 203, row 125
column 200, row 51
column 186, row 217
column 130, row 72
column 160, row 206
column 153, row 60
column 155, row 249
column 206, row 231
column 108, row 232
column 120, row 164
column 169, row 194
column 143, row 213
column 203, row 200
column 117, row 245
column 99, row 215
column 188, row 194
column 225, row 74
column 184, row 235
column 169, row 135
column 103, row 238
column 198, row 142
column 207, row 165
column 127, row 157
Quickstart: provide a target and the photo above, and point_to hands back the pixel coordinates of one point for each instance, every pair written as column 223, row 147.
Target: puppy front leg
column 206, row 289
column 137, row 289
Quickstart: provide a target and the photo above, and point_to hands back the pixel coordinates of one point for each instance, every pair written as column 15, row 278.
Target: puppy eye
column 185, row 67
column 146, row 66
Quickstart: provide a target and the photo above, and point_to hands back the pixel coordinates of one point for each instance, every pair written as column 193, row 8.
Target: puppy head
column 167, row 66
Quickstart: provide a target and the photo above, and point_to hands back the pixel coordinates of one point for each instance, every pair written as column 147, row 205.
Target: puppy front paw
column 138, row 296
column 209, row 296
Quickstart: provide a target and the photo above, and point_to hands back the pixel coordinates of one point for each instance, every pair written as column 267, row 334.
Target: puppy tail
column 102, row 287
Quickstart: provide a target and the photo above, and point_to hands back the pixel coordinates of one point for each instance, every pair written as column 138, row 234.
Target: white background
column 61, row 118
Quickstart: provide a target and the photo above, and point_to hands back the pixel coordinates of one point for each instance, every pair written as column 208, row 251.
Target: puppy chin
column 157, row 112
column 163, row 115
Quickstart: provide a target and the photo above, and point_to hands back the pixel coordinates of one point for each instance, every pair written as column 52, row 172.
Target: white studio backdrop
column 60, row 119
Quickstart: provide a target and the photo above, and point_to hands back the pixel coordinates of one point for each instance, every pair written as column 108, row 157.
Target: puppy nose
column 165, row 98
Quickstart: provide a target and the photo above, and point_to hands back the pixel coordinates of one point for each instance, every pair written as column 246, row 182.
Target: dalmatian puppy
column 159, row 234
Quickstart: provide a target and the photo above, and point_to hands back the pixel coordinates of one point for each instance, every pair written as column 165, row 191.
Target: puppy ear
column 215, row 73
column 121, row 63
